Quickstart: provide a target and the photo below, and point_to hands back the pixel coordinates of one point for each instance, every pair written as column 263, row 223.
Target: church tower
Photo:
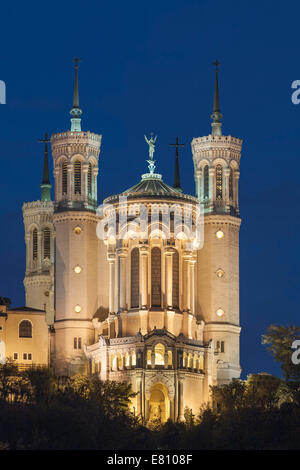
column 39, row 239
column 75, row 159
column 216, row 163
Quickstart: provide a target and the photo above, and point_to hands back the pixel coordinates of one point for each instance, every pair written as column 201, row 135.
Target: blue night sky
column 147, row 66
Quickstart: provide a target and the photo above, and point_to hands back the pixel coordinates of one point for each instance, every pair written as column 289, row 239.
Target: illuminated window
column 135, row 277
column 46, row 240
column 220, row 312
column 220, row 272
column 170, row 358
column 205, row 182
column 133, row 359
column 64, row 178
column 175, row 283
column 149, row 356
column 34, row 244
column 201, row 363
column 25, row 329
column 219, row 182
column 127, row 360
column 90, row 179
column 77, row 177
column 159, row 350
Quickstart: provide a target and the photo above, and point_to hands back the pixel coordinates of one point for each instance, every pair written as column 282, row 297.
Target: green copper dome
column 152, row 186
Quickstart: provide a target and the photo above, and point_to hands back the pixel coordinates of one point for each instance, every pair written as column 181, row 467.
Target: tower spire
column 216, row 115
column 46, row 186
column 176, row 169
column 76, row 111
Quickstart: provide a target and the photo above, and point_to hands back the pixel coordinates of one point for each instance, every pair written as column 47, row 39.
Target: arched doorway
column 159, row 404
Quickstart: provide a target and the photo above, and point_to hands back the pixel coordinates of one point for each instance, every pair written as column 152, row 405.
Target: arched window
column 90, row 179
column 34, row 244
column 231, row 184
column 156, row 277
column 25, row 329
column 159, row 350
column 170, row 358
column 175, row 281
column 133, row 359
column 64, row 178
column 219, row 182
column 46, row 242
column 205, row 183
column 135, row 276
column 77, row 177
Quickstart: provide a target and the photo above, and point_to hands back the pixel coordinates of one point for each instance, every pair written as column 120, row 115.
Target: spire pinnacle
column 216, row 115
column 76, row 111
column 46, row 186
column 176, row 184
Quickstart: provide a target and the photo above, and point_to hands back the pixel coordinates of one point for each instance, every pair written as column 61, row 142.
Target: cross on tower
column 216, row 63
column 46, row 140
column 177, row 144
column 176, row 171
column 76, row 60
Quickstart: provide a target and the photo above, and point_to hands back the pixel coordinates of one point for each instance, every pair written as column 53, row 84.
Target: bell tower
column 216, row 170
column 75, row 159
column 39, row 239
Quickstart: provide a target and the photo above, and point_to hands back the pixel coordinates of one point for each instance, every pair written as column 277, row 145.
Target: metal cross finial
column 77, row 61
column 216, row 63
column 46, row 140
column 176, row 170
column 177, row 144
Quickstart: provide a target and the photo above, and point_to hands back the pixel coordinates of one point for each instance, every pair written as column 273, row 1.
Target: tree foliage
column 279, row 341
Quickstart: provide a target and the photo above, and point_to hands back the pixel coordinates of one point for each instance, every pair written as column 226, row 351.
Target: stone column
column 169, row 277
column 144, row 252
column 198, row 180
column 186, row 281
column 226, row 176
column 39, row 247
column 28, row 252
column 152, row 359
column 111, row 257
column 94, row 184
column 212, row 186
column 84, row 185
column 166, row 360
column 122, row 256
column 58, row 194
column 180, row 399
column 70, row 183
column 192, row 263
column 236, row 189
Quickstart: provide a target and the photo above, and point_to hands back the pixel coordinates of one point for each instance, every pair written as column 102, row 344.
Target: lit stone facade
column 132, row 293
column 216, row 170
column 39, row 240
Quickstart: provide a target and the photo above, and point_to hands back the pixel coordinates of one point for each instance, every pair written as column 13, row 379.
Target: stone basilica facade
column 143, row 302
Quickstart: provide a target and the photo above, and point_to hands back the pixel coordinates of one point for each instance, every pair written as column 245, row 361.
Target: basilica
column 145, row 287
